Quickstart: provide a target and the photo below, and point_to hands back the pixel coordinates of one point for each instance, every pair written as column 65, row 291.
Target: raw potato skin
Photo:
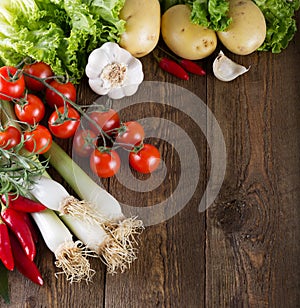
column 142, row 26
column 247, row 30
column 185, row 39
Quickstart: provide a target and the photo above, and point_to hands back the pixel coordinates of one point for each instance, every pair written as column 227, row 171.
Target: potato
column 185, row 39
column 142, row 26
column 247, row 30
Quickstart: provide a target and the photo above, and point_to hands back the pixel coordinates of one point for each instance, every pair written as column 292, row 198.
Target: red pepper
column 24, row 265
column 23, row 204
column 14, row 220
column 172, row 67
column 5, row 247
column 192, row 67
column 30, row 224
column 188, row 65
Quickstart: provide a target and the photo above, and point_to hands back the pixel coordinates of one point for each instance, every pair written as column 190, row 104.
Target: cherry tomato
column 32, row 112
column 12, row 84
column 38, row 140
column 105, row 163
column 9, row 137
column 84, row 142
column 37, row 69
column 146, row 160
column 108, row 121
column 130, row 134
column 67, row 89
column 62, row 127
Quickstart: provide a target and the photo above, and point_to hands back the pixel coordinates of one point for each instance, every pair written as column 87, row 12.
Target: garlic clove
column 225, row 69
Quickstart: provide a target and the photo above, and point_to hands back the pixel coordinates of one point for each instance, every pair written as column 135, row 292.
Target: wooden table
column 243, row 251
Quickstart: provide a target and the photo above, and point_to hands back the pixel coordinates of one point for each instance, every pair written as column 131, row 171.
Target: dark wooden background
column 244, row 250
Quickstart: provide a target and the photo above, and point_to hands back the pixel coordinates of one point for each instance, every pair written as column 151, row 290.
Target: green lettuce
column 281, row 25
column 210, row 13
column 58, row 32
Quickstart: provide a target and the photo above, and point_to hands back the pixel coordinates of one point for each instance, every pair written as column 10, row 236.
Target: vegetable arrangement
column 45, row 48
column 191, row 28
column 98, row 224
column 71, row 30
column 215, row 15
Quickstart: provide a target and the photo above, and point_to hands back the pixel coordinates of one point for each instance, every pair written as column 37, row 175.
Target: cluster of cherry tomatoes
column 105, row 128
column 99, row 140
column 27, row 94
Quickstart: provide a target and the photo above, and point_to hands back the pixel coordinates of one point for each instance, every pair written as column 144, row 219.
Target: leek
column 123, row 229
column 82, row 184
column 70, row 255
column 113, row 243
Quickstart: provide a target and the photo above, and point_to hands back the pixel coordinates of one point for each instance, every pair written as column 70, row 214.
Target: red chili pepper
column 192, row 67
column 30, row 224
column 5, row 247
column 24, row 265
column 23, row 204
column 188, row 65
column 172, row 67
column 14, row 220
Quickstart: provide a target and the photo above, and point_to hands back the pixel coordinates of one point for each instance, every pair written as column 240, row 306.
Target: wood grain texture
column 252, row 251
column 244, row 250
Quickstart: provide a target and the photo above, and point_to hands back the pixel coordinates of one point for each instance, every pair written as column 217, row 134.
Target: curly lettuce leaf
column 107, row 10
column 108, row 24
column 38, row 39
column 281, row 25
column 212, row 14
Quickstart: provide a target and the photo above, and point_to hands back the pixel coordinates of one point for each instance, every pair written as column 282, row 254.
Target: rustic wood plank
column 252, row 252
column 170, row 268
column 56, row 292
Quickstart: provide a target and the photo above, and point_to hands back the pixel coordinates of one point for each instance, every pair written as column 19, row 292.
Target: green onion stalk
column 118, row 250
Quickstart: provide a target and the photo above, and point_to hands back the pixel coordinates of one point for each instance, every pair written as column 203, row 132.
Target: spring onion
column 70, row 255
column 56, row 198
column 114, row 244
column 123, row 230
column 85, row 187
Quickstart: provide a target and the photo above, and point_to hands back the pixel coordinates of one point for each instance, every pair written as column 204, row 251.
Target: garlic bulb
column 112, row 70
column 225, row 69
